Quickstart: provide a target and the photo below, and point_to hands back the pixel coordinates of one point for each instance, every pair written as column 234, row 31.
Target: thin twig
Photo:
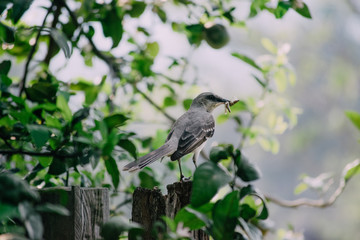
column 253, row 115
column 32, row 51
column 52, row 43
column 320, row 203
column 244, row 136
column 354, row 6
column 155, row 105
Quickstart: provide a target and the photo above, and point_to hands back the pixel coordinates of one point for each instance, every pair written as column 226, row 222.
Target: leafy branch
column 33, row 49
column 40, row 154
column 112, row 62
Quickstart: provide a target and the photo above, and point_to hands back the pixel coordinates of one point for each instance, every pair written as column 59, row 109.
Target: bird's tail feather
column 149, row 158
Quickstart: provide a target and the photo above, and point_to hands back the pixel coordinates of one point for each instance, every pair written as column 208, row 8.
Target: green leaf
column 225, row 213
column 169, row 101
column 58, row 166
column 5, row 83
column 247, row 190
column 303, row 11
column 91, row 90
column 128, row 146
column 113, row 228
column 5, row 67
column 50, row 107
column 7, row 34
column 190, row 220
column 217, row 154
column 268, row 45
column 161, row 13
column 251, row 230
column 247, row 212
column 52, row 121
column 42, row 92
column 53, row 208
column 228, row 15
column 281, row 79
column 8, row 211
column 351, row 169
column 282, row 9
column 264, row 214
column 112, row 26
column 247, row 60
column 201, row 216
column 261, row 82
column 110, row 143
column 300, row 188
column 62, row 104
column 354, row 118
column 148, row 178
column 195, row 34
column 152, row 49
column 208, row 178
column 113, row 170
column 246, row 170
column 115, row 120
column 80, row 115
column 14, row 190
column 61, row 40
column 137, row 8
column 187, row 103
column 3, row 5
column 39, row 134
column 19, row 8
column 44, row 161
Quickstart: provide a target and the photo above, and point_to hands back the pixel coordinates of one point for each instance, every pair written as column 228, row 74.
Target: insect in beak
column 228, row 104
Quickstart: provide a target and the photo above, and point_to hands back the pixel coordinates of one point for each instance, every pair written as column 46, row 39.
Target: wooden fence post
column 89, row 209
column 149, row 205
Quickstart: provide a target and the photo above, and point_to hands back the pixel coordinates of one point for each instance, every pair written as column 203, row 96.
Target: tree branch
column 154, row 104
column 52, row 44
column 32, row 51
column 355, row 7
column 254, row 116
column 111, row 62
column 320, row 203
column 43, row 154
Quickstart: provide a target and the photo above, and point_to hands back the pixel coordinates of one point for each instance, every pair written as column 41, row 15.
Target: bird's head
column 208, row 100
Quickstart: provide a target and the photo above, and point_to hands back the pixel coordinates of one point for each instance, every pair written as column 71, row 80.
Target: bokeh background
column 325, row 54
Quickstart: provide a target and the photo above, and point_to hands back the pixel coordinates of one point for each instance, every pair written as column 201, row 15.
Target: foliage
column 20, row 208
column 49, row 142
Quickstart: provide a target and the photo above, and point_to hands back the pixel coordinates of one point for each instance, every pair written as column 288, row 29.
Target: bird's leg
column 194, row 160
column 181, row 175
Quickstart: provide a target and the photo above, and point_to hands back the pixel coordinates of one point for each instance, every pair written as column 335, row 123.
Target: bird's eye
column 211, row 98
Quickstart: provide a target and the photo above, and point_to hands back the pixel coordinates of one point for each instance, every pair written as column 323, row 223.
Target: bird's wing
column 195, row 134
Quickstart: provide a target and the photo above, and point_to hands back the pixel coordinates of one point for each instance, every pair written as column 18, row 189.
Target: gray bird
column 188, row 134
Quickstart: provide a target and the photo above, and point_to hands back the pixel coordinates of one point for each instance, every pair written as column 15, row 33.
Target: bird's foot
column 185, row 179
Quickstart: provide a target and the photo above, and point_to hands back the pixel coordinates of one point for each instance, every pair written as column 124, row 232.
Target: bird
column 188, row 134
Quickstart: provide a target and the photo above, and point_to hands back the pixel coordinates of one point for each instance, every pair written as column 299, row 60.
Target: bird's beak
column 225, row 102
column 222, row 100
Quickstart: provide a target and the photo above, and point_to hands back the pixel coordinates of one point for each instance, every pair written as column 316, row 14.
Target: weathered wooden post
column 89, row 209
column 149, row 205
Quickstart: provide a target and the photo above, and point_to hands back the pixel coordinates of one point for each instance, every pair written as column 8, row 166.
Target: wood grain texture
column 149, row 205
column 89, row 208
